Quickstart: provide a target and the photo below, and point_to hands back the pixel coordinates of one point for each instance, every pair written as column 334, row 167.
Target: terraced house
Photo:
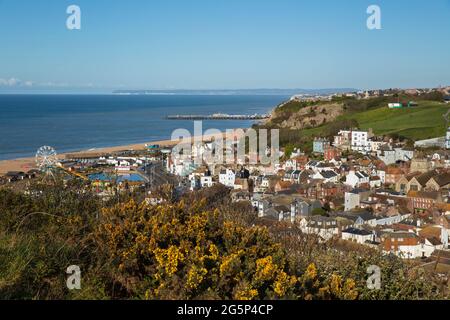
column 423, row 200
column 429, row 181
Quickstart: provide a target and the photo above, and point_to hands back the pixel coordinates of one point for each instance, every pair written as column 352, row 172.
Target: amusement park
column 105, row 174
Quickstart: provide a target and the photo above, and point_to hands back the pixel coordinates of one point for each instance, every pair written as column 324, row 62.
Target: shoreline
column 28, row 163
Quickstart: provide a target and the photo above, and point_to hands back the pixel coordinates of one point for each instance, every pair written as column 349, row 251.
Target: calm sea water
column 79, row 122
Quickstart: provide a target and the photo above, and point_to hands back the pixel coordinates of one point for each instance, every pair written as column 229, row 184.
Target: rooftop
column 359, row 232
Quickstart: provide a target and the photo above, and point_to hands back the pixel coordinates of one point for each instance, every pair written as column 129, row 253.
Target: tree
column 319, row 212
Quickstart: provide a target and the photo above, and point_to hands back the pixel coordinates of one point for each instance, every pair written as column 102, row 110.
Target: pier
column 219, row 116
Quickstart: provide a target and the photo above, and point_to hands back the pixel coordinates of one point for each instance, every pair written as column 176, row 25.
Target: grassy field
column 417, row 123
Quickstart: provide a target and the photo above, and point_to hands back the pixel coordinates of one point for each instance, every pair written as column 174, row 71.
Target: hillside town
column 368, row 94
column 368, row 190
column 355, row 187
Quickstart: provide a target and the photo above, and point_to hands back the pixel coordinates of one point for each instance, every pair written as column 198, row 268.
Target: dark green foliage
column 341, row 124
column 353, row 105
column 319, row 212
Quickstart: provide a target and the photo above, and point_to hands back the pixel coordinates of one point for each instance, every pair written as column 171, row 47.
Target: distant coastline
column 236, row 92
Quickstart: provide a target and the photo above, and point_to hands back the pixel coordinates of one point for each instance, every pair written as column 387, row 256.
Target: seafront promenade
column 28, row 163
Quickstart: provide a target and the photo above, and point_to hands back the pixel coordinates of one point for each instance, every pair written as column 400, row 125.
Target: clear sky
column 223, row 44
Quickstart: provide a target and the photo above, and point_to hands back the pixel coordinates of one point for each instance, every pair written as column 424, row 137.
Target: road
column 156, row 174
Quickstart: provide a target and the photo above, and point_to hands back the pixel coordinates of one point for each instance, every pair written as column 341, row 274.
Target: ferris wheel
column 46, row 159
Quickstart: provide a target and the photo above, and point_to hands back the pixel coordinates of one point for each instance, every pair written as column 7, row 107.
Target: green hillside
column 415, row 123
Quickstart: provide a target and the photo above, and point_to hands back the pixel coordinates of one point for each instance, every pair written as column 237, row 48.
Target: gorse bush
column 198, row 246
column 181, row 251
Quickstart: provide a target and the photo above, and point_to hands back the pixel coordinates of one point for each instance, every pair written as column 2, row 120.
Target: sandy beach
column 25, row 164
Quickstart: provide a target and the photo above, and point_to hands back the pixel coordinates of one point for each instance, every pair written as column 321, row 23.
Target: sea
column 83, row 122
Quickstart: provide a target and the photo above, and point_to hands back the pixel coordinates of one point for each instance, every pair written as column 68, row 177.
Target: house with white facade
column 200, row 179
column 409, row 245
column 290, row 164
column 357, row 178
column 405, row 245
column 343, row 138
column 375, row 182
column 447, row 139
column 375, row 145
column 359, row 219
column 360, row 141
column 389, row 221
column 326, row 176
column 227, row 177
column 324, row 227
column 265, row 182
column 360, row 236
column 352, row 200
column 206, row 181
column 382, row 174
column 392, row 155
column 180, row 165
column 293, row 207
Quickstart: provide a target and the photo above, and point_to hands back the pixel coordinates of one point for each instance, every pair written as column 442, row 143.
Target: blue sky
column 223, row 44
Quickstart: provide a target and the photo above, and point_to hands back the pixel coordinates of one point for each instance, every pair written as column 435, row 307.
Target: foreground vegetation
column 197, row 246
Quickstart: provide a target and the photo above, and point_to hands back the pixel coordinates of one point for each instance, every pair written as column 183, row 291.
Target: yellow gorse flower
column 195, row 277
column 169, row 258
column 246, row 294
column 265, row 269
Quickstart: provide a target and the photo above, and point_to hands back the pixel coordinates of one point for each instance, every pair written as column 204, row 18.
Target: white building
column 206, row 181
column 375, row 145
column 405, row 245
column 388, row 221
column 382, row 175
column 360, row 141
column 265, row 182
column 326, row 176
column 200, row 180
column 375, row 182
column 447, row 140
column 357, row 235
column 357, row 178
column 182, row 167
column 343, row 137
column 324, row 227
column 395, row 105
column 391, row 156
column 227, row 177
column 260, row 184
column 290, row 164
column 352, row 201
